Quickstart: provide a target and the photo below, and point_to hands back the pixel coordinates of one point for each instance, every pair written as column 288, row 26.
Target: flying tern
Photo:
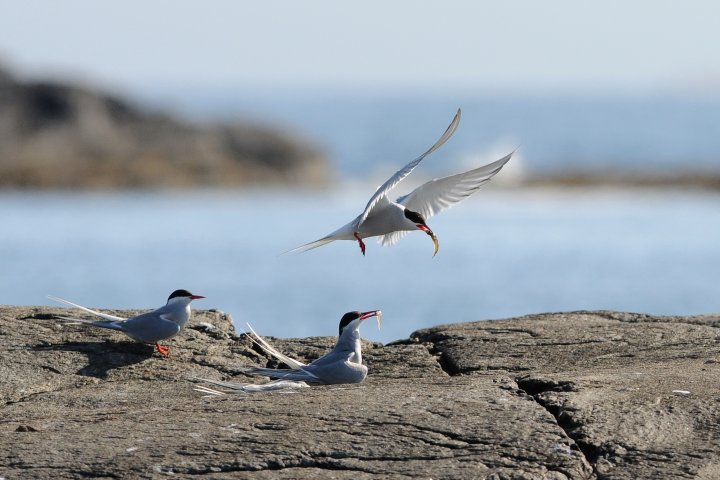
column 391, row 220
column 151, row 327
column 342, row 364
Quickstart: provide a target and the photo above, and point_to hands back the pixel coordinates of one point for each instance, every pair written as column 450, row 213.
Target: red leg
column 362, row 244
column 164, row 351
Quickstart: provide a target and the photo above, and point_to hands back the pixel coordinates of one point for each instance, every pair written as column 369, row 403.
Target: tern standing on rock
column 151, row 327
column 392, row 220
column 342, row 364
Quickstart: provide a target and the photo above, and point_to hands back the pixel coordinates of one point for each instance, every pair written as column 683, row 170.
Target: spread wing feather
column 392, row 238
column 391, row 182
column 436, row 195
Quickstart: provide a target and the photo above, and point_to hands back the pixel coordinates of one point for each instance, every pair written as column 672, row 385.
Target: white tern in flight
column 392, row 220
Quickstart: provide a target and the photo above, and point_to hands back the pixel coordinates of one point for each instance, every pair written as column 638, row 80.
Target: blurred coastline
column 58, row 135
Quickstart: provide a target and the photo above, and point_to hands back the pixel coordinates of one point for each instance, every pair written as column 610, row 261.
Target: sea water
column 504, row 252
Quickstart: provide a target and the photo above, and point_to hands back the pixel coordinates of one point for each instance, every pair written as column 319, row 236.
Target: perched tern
column 342, row 364
column 392, row 220
column 151, row 327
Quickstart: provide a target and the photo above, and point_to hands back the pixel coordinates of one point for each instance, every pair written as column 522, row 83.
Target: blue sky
column 519, row 46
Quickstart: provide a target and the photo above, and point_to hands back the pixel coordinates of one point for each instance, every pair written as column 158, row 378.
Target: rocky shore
column 59, row 135
column 553, row 396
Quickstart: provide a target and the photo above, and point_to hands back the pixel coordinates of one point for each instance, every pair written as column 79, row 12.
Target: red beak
column 424, row 228
column 365, row 315
column 195, row 297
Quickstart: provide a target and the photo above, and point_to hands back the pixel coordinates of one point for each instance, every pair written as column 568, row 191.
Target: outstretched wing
column 436, row 195
column 392, row 238
column 106, row 316
column 391, row 182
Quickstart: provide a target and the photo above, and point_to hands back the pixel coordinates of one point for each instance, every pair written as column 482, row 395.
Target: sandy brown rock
column 557, row 396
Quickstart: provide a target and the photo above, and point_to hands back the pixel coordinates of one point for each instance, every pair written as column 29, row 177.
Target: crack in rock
column 534, row 387
column 446, row 363
column 324, row 463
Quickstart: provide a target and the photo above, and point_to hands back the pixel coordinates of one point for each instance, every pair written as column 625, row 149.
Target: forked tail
column 230, row 387
column 112, row 325
column 310, row 246
column 106, row 316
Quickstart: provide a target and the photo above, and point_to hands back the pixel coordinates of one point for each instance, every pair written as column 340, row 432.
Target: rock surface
column 63, row 136
column 554, row 396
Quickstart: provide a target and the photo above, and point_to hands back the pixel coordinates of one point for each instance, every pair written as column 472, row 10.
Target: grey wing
column 150, row 328
column 336, row 368
column 332, row 357
column 339, row 372
column 441, row 193
column 302, row 374
column 391, row 182
column 436, row 195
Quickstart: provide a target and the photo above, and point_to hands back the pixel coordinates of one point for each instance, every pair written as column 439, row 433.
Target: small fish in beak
column 427, row 230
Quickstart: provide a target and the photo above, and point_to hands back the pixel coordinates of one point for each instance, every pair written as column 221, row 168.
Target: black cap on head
column 414, row 217
column 179, row 293
column 346, row 319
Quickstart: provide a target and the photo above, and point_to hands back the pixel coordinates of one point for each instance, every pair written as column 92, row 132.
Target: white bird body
column 341, row 365
column 161, row 324
column 384, row 218
column 391, row 220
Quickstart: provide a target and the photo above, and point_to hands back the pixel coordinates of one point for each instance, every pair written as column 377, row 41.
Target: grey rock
column 610, row 379
column 555, row 396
